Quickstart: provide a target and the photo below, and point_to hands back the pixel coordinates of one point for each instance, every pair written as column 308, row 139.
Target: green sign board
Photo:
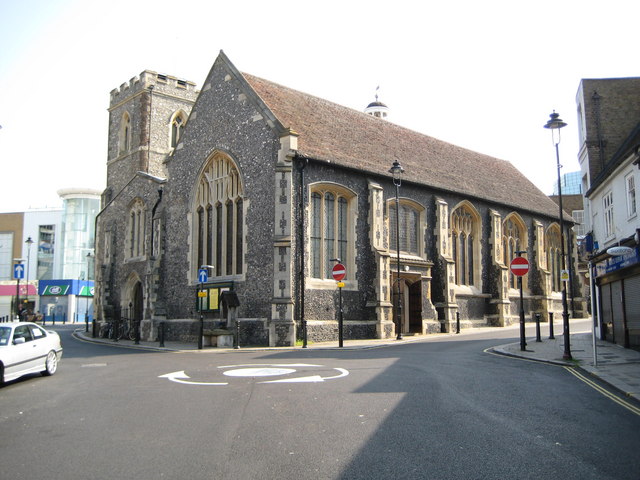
column 56, row 290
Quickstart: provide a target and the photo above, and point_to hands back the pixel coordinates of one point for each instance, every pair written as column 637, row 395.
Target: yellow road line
column 603, row 391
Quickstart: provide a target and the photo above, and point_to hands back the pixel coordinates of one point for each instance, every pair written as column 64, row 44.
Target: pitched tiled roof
column 346, row 137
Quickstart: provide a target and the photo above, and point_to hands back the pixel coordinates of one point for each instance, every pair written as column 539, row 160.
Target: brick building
column 266, row 185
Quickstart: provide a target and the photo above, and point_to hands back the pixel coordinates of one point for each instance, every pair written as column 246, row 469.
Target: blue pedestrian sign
column 18, row 271
column 203, row 276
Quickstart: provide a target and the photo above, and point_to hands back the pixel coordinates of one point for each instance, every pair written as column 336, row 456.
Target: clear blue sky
column 482, row 75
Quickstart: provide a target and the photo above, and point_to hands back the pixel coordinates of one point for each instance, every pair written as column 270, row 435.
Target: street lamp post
column 396, row 170
column 555, row 123
column 29, row 242
column 86, row 312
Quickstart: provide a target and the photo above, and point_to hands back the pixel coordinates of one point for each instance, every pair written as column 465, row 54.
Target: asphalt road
column 441, row 409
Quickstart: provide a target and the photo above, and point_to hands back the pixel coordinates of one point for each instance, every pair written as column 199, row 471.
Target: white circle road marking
column 258, row 372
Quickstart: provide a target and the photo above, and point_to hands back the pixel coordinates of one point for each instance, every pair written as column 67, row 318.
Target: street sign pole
column 339, row 272
column 201, row 333
column 340, row 329
column 523, row 341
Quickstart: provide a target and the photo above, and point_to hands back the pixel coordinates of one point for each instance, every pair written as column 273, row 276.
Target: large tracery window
column 464, row 243
column 410, row 239
column 554, row 257
column 513, row 240
column 330, row 226
column 219, row 219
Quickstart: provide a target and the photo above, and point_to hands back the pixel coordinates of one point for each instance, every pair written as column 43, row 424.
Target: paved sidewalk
column 617, row 366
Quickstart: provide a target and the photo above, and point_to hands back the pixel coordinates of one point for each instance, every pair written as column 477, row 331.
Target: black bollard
column 457, row 322
column 137, row 324
column 53, row 318
column 161, row 333
column 551, row 337
column 538, row 339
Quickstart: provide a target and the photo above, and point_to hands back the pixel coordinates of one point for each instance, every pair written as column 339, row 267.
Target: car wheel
column 51, row 364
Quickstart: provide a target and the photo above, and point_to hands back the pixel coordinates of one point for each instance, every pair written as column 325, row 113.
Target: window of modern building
column 124, row 136
column 330, row 228
column 607, row 204
column 136, row 230
column 630, row 184
column 410, row 220
column 178, row 123
column 465, row 224
column 46, row 250
column 6, row 262
column 219, row 218
column 514, row 239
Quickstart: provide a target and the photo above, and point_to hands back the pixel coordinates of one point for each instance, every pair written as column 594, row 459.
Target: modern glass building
column 80, row 209
column 571, row 184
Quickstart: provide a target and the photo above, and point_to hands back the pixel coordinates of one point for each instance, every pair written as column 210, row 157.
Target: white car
column 27, row 348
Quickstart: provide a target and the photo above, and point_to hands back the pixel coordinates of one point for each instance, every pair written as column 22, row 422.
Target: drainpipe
column 304, row 161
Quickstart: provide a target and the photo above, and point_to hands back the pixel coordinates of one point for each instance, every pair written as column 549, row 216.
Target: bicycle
column 127, row 329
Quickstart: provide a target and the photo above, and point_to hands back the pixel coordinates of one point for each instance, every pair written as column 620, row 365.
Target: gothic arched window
column 219, row 218
column 465, row 227
column 178, row 122
column 514, row 239
column 330, row 223
column 136, row 229
column 124, row 135
column 410, row 238
column 554, row 257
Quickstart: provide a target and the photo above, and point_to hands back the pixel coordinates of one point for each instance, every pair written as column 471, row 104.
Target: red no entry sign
column 519, row 266
column 339, row 272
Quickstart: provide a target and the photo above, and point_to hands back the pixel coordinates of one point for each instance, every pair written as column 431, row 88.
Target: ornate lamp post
column 555, row 124
column 396, row 170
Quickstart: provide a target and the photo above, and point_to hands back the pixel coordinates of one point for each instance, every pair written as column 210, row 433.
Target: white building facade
column 609, row 116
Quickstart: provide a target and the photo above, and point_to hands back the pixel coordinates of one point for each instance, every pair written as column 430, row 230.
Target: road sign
column 564, row 275
column 519, row 266
column 339, row 272
column 202, row 294
column 18, row 271
column 203, row 275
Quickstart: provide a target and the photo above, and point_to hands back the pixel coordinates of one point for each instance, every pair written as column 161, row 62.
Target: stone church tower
column 147, row 116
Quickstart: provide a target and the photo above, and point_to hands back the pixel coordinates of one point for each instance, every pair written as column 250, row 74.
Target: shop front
column 66, row 301
column 618, row 281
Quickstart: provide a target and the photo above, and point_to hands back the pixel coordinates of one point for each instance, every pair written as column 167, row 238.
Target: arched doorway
column 411, row 302
column 138, row 303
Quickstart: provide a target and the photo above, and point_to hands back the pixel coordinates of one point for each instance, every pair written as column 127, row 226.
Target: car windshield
column 5, row 333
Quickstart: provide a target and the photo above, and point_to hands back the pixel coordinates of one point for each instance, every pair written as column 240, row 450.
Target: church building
column 266, row 189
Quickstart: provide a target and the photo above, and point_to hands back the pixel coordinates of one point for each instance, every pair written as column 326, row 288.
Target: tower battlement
column 162, row 83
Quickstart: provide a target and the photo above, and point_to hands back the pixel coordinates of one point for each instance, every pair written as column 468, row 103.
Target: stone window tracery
column 219, row 218
column 514, row 239
column 464, row 228
column 330, row 223
column 554, row 256
column 178, row 123
column 410, row 221
column 136, row 230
